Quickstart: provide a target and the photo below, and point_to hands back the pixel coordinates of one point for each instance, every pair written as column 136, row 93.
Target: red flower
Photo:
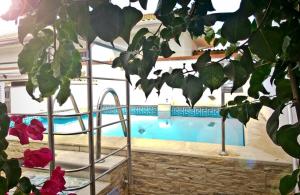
column 20, row 131
column 19, row 8
column 17, row 119
column 37, row 158
column 35, row 130
column 23, row 132
column 55, row 184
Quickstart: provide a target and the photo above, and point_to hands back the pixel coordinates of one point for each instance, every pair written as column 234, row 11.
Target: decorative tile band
column 134, row 110
column 175, row 111
column 195, row 112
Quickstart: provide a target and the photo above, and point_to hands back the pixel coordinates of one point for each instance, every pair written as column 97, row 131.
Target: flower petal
column 20, row 131
column 37, row 158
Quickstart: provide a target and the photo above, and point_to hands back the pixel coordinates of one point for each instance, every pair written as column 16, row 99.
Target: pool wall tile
column 195, row 112
column 150, row 110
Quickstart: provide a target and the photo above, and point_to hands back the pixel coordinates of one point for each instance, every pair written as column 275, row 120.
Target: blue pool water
column 191, row 129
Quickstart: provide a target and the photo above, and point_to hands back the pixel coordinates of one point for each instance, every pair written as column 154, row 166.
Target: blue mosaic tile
column 134, row 110
column 195, row 112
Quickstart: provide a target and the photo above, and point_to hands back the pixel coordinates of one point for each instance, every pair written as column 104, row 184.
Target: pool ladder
column 99, row 118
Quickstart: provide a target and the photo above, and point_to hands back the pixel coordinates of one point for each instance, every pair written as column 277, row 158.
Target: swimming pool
column 190, row 129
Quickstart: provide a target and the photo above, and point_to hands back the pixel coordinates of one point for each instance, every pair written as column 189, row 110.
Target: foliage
column 264, row 34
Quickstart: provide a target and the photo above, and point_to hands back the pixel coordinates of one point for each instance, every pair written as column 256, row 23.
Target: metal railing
column 99, row 118
column 90, row 129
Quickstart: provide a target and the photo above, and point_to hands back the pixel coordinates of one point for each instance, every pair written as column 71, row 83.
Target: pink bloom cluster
column 55, row 184
column 34, row 130
column 37, row 158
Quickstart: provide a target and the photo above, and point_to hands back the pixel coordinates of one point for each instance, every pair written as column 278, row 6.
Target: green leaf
column 4, row 126
column 3, row 185
column 159, row 82
column 240, row 112
column 266, row 43
column 157, row 72
column 164, row 7
column 247, row 61
column 82, row 21
column 289, row 182
column 212, row 75
column 137, row 40
column 147, row 86
column 150, row 54
column 257, row 78
column 3, row 143
column 165, row 50
column 283, row 89
column 67, row 61
column 253, row 109
column 30, row 87
column 131, row 17
column 273, row 123
column 143, row 4
column 287, row 138
column 25, row 185
column 202, row 61
column 64, row 91
column 32, row 51
column 237, row 73
column 12, row 171
column 175, row 79
column 47, row 11
column 209, row 35
column 107, row 21
column 27, row 25
column 117, row 63
column 192, row 89
column 47, row 83
column 67, row 31
column 133, row 66
column 236, row 28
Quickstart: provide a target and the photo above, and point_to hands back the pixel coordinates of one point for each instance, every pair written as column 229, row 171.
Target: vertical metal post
column 50, row 132
column 223, row 151
column 128, row 134
column 90, row 120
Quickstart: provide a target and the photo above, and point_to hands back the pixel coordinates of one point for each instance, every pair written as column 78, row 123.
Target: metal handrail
column 99, row 118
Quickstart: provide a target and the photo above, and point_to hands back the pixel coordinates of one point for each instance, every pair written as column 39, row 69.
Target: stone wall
column 168, row 174
column 175, row 174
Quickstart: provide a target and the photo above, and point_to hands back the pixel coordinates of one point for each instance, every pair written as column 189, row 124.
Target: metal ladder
column 99, row 118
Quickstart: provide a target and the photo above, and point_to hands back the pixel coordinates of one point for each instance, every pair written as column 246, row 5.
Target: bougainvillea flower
column 37, row 158
column 17, row 119
column 20, row 131
column 19, row 8
column 35, row 130
column 55, row 184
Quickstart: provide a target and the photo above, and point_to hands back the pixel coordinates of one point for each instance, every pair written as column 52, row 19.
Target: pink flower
column 17, row 119
column 19, row 8
column 35, row 130
column 20, row 131
column 23, row 132
column 37, row 158
column 55, row 184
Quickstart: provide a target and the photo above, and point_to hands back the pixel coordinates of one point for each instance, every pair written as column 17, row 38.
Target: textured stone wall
column 167, row 174
column 174, row 174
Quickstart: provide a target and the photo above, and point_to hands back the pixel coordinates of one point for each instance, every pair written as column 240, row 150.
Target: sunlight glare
column 4, row 6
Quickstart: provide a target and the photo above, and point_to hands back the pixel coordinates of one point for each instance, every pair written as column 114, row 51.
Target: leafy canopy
column 263, row 35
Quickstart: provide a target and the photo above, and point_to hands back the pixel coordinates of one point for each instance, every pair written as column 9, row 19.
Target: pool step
column 74, row 159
